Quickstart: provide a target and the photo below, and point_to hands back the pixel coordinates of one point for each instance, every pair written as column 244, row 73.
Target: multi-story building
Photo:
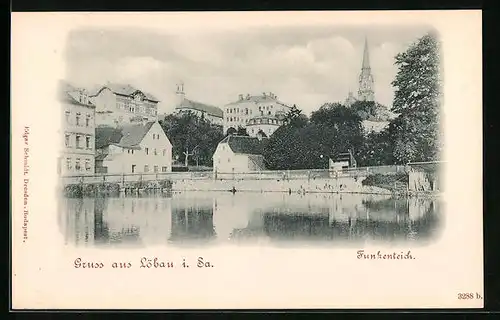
column 78, row 128
column 266, row 110
column 118, row 104
column 208, row 112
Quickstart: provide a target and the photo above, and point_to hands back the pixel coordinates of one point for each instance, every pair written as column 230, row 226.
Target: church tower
column 180, row 93
column 366, row 84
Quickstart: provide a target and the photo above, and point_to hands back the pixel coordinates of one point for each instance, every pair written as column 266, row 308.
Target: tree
column 191, row 136
column 417, row 101
column 342, row 122
column 295, row 117
column 241, row 131
column 300, row 144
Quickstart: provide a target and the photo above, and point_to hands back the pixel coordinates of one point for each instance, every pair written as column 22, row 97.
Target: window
column 128, row 150
column 67, row 141
column 154, row 151
column 164, row 152
column 77, row 164
column 228, row 159
column 155, row 168
column 87, row 120
column 68, row 163
column 78, row 140
column 67, row 115
column 163, row 169
column 146, row 168
column 87, row 142
column 147, row 151
column 87, row 165
column 246, row 110
column 78, row 118
column 269, row 112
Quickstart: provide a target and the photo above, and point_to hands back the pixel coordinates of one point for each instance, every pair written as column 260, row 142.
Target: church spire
column 366, row 82
column 366, row 56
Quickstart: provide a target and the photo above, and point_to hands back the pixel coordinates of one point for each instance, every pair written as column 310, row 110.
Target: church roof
column 190, row 104
column 245, row 144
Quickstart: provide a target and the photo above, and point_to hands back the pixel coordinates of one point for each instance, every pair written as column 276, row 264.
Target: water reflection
column 267, row 218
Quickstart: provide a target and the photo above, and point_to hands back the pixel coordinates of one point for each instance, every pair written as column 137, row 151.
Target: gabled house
column 133, row 148
column 239, row 154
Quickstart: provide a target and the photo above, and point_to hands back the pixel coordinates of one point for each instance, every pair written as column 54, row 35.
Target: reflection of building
column 208, row 112
column 267, row 106
column 239, row 154
column 192, row 220
column 78, row 124
column 133, row 148
column 118, row 104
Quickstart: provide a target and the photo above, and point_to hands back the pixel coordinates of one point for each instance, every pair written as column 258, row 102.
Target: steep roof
column 211, row 110
column 126, row 136
column 245, row 145
column 122, row 89
column 65, row 94
column 366, row 56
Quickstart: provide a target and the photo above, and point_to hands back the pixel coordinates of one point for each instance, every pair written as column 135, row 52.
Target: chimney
column 240, row 97
column 264, row 94
column 248, row 96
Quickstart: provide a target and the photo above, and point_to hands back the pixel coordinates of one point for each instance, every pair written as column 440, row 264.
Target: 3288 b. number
column 465, row 296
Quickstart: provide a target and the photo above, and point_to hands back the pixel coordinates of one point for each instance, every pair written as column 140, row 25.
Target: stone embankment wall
column 323, row 185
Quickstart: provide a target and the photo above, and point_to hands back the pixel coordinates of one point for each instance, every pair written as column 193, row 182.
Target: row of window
column 264, row 121
column 80, row 120
column 155, row 152
column 134, row 108
column 248, row 111
column 78, row 165
column 80, row 141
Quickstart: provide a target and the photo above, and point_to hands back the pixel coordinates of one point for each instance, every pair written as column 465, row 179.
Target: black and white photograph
column 212, row 147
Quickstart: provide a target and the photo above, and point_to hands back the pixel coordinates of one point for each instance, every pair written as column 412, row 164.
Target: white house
column 239, row 154
column 133, row 148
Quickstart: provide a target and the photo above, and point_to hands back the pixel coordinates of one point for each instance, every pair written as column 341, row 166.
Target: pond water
column 267, row 219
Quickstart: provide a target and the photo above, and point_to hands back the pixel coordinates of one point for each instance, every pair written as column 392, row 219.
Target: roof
column 245, row 144
column 122, row 89
column 211, row 110
column 126, row 136
column 65, row 95
column 257, row 99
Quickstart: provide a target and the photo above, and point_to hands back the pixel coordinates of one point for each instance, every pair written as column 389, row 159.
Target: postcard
column 247, row 160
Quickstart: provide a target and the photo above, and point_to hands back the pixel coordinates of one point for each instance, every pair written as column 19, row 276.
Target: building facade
column 266, row 110
column 118, row 104
column 78, row 131
column 239, row 154
column 133, row 148
column 202, row 110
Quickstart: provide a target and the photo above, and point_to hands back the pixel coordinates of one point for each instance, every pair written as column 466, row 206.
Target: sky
column 306, row 66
